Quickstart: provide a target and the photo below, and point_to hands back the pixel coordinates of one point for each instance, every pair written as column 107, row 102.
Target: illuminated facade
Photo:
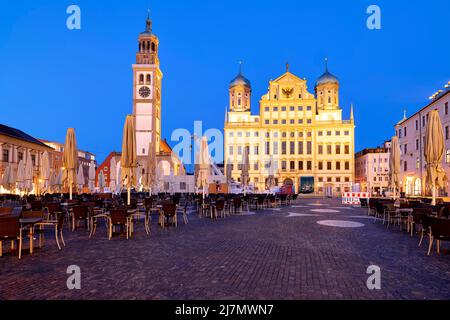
column 411, row 136
column 299, row 137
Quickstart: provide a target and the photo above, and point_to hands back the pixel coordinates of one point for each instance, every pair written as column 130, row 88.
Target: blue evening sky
column 52, row 78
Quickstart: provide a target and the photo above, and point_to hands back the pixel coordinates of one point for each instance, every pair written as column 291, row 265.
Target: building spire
column 287, row 66
column 240, row 66
column 351, row 113
column 148, row 23
column 326, row 65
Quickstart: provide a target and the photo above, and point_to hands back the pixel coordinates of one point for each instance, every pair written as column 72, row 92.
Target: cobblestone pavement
column 273, row 254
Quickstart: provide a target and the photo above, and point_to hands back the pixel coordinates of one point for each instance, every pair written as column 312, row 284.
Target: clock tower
column 147, row 77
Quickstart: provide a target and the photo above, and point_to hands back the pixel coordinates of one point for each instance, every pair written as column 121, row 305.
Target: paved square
column 274, row 254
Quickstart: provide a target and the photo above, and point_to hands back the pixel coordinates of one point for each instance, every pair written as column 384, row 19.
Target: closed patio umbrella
column 204, row 166
column 8, row 179
column 119, row 177
column 112, row 175
column 245, row 167
column 20, row 177
column 28, row 174
column 394, row 165
column 92, row 176
column 129, row 157
column 271, row 178
column 434, row 153
column 59, row 180
column 101, row 180
column 150, row 169
column 80, row 178
column 70, row 159
column 44, row 173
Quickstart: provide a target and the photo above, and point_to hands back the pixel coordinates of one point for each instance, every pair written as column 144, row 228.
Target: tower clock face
column 144, row 92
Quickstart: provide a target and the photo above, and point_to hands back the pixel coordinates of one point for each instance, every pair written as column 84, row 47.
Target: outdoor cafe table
column 30, row 223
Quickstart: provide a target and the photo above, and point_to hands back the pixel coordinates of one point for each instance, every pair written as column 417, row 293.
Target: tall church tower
column 147, row 77
column 327, row 91
column 240, row 93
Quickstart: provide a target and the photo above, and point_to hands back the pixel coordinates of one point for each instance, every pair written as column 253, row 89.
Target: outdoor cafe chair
column 32, row 231
column 53, row 210
column 58, row 224
column 119, row 217
column 439, row 231
column 417, row 219
column 80, row 214
column 219, row 207
column 169, row 213
column 10, row 230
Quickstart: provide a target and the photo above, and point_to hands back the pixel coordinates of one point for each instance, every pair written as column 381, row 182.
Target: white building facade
column 411, row 134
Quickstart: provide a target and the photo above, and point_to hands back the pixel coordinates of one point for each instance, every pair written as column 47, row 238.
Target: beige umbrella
column 150, row 170
column 271, row 178
column 129, row 157
column 92, row 176
column 20, row 180
column 112, row 174
column 28, row 174
column 7, row 178
column 44, row 173
column 434, row 152
column 59, row 179
column 118, row 177
column 204, row 166
column 70, row 159
column 101, row 180
column 245, row 166
column 394, row 165
column 80, row 178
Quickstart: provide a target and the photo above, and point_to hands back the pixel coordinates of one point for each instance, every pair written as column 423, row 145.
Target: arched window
column 239, row 101
column 153, row 47
column 149, row 78
column 141, row 79
column 329, row 100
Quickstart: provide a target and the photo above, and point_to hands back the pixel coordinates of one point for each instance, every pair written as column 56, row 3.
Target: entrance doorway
column 306, row 185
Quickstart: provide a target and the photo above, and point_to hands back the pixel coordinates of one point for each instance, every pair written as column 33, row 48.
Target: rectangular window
column 447, row 133
column 20, row 156
column 230, row 150
column 292, row 166
column 347, row 165
column 329, row 165
column 320, row 133
column 292, row 147
column 406, row 148
column 404, row 131
column 320, row 149
column 338, row 133
column 417, row 125
column 275, row 121
column 283, row 121
column 417, row 144
column 308, row 147
column 347, row 149
column 5, row 155
column 423, row 121
column 300, row 108
column 320, row 165
column 338, row 165
column 266, row 122
column 405, row 166
column 283, row 147
column 300, row 147
column 329, row 149
column 446, row 108
column 283, row 165
column 309, row 165
column 267, row 109
column 300, row 165
column 346, row 133
column 267, row 148
column 283, row 108
column 256, row 166
column 256, row 150
column 308, row 121
column 300, row 121
column 275, row 147
column 292, row 108
column 308, row 108
column 338, row 149
column 239, row 150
